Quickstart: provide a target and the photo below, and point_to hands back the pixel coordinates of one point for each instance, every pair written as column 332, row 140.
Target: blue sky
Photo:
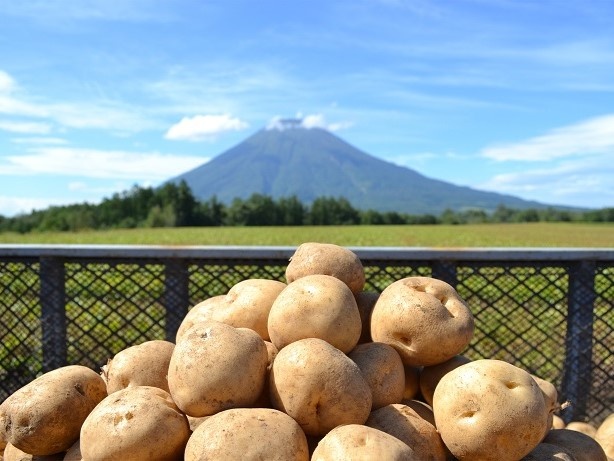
column 512, row 96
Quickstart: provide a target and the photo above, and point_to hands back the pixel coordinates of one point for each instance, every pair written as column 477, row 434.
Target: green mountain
column 312, row 162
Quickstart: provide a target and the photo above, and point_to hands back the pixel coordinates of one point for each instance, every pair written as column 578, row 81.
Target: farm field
column 577, row 235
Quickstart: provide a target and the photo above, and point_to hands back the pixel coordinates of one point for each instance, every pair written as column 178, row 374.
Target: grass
column 576, row 235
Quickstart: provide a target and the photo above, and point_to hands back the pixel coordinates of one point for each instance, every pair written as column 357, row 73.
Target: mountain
column 312, row 162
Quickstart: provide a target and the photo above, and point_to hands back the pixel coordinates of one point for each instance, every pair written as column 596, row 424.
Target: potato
column 405, row 424
column 365, row 300
column 557, row 422
column 12, row 453
column 549, row 452
column 354, row 442
column 199, row 313
column 315, row 306
column 550, row 397
column 74, row 452
column 248, row 434
column 412, row 382
column 423, row 409
column 430, row 376
column 44, row 417
column 145, row 364
column 215, row 367
column 139, row 423
column 319, row 386
column 424, row 319
column 489, row 410
column 383, row 369
column 312, row 258
column 581, row 426
column 581, row 446
column 605, row 436
column 264, row 400
column 247, row 305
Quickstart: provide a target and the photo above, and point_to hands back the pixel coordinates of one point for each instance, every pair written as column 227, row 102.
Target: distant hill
column 312, row 162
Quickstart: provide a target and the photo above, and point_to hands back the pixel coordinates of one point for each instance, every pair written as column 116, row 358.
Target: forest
column 174, row 205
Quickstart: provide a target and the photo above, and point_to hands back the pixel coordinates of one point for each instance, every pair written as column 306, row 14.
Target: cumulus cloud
column 593, row 136
column 202, row 127
column 135, row 166
column 25, row 127
column 307, row 122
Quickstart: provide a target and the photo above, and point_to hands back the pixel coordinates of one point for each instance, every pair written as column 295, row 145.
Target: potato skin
column 140, row 423
column 145, row 364
column 319, row 386
column 354, row 442
column 424, row 319
column 605, row 436
column 199, row 313
column 407, row 425
column 489, row 410
column 215, row 367
column 327, row 259
column 315, row 306
column 383, row 369
column 45, row 416
column 248, row 434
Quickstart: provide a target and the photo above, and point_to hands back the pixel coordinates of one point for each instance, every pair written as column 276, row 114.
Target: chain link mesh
column 522, row 312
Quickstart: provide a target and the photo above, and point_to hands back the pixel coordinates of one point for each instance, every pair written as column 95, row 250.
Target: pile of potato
column 312, row 369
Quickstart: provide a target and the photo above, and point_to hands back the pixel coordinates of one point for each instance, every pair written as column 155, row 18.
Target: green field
column 576, row 235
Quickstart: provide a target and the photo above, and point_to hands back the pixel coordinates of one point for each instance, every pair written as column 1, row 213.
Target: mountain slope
column 311, row 163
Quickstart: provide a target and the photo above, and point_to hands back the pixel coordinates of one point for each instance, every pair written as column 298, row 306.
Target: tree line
column 174, row 205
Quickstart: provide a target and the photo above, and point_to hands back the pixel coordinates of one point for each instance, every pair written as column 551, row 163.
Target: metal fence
column 549, row 311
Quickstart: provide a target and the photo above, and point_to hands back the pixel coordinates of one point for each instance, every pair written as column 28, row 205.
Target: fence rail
column 549, row 311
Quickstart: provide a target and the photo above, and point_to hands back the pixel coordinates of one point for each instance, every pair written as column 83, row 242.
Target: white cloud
column 307, row 122
column 586, row 182
column 39, row 140
column 25, row 127
column 135, row 166
column 7, row 83
column 593, row 136
column 202, row 127
column 11, row 206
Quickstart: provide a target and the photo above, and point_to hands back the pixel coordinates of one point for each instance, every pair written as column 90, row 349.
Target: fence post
column 577, row 374
column 446, row 271
column 53, row 313
column 176, row 295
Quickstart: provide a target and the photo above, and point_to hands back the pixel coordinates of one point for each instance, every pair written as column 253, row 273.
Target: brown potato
column 215, row 367
column 139, row 423
column 405, row 424
column 581, row 446
column 424, row 319
column 145, row 364
column 315, row 306
column 248, row 434
column 354, row 442
column 74, row 452
column 412, row 382
column 581, row 426
column 489, row 410
column 605, row 436
column 199, row 313
column 430, row 376
column 312, row 258
column 383, row 369
column 44, row 417
column 557, row 422
column 423, row 409
column 549, row 452
column 247, row 305
column 365, row 300
column 319, row 386
column 12, row 453
column 551, row 397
